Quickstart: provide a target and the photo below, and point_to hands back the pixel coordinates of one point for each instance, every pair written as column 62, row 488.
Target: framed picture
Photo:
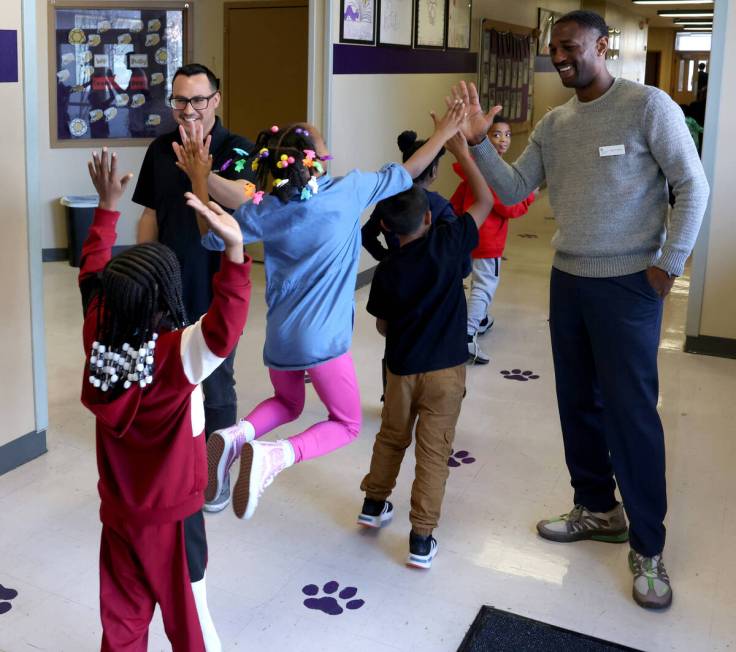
column 111, row 66
column 395, row 22
column 430, row 22
column 458, row 24
column 546, row 21
column 358, row 21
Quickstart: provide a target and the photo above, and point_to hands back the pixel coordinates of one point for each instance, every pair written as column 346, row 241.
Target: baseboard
column 721, row 347
column 22, row 450
column 365, row 277
column 54, row 255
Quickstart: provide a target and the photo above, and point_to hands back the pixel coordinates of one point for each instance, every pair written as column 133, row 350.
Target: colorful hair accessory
column 254, row 165
column 249, row 189
column 326, row 157
column 312, row 183
column 225, row 165
column 263, row 152
column 306, row 193
column 284, row 161
column 239, row 165
column 318, row 166
column 280, row 182
column 310, row 153
column 239, row 151
column 258, row 197
column 301, row 131
column 290, row 160
column 274, row 129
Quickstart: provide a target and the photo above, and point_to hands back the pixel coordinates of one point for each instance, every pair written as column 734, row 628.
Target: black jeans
column 605, row 337
column 220, row 400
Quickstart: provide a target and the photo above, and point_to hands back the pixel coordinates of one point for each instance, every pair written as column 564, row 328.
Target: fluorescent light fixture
column 687, row 24
column 677, row 13
column 673, row 2
column 697, row 29
column 693, row 21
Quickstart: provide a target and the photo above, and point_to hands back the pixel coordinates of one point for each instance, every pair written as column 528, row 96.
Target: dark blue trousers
column 605, row 335
column 220, row 399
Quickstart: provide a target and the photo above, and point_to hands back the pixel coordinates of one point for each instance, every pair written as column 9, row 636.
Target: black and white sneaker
column 375, row 513
column 475, row 355
column 485, row 325
column 422, row 551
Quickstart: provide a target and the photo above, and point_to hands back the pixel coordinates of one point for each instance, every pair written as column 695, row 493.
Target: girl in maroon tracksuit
column 142, row 380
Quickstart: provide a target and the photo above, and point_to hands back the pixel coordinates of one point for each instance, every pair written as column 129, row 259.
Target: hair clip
column 306, row 193
column 312, row 183
column 254, row 165
column 301, row 131
column 283, row 162
column 239, row 151
column 263, row 152
column 280, row 182
column 326, row 157
column 239, row 165
column 274, row 129
column 225, row 165
column 318, row 166
column 258, row 197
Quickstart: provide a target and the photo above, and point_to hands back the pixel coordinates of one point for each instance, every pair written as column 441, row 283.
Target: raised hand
column 476, row 124
column 448, row 125
column 103, row 170
column 193, row 155
column 458, row 146
column 221, row 223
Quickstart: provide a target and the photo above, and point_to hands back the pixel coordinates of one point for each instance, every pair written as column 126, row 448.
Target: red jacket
column 151, row 452
column 492, row 234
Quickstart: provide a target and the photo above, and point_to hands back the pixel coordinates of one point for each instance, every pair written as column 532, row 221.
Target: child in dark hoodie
column 144, row 367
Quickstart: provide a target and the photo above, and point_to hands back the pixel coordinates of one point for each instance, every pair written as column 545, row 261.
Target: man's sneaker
column 375, row 513
column 485, row 325
column 222, row 500
column 260, row 463
column 475, row 355
column 223, row 448
column 652, row 588
column 422, row 551
column 581, row 524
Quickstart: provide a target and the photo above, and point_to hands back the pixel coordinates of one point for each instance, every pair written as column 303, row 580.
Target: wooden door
column 651, row 76
column 266, row 55
column 685, row 75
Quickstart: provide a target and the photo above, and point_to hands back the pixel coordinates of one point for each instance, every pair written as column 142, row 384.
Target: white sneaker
column 260, row 463
column 475, row 355
column 223, row 448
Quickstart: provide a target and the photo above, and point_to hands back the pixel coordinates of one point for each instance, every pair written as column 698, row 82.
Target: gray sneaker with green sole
column 581, row 524
column 652, row 588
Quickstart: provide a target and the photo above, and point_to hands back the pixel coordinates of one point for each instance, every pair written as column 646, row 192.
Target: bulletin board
column 506, row 71
column 111, row 68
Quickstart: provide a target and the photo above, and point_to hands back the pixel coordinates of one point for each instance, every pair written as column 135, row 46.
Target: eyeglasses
column 198, row 103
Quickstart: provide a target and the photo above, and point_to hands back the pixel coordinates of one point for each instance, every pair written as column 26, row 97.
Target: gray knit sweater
column 607, row 163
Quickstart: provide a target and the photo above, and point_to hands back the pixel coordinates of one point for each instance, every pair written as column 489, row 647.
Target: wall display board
column 547, row 19
column 395, row 25
column 430, row 24
column 358, row 21
column 112, row 68
column 458, row 24
column 506, row 74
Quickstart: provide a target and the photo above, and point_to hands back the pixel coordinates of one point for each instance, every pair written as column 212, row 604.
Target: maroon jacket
column 150, row 446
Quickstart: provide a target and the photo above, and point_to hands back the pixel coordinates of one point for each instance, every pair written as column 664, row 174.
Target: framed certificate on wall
column 430, row 23
column 395, row 24
column 358, row 21
column 458, row 24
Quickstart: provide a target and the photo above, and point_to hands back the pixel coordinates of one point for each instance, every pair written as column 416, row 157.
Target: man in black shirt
column 166, row 217
column 419, row 303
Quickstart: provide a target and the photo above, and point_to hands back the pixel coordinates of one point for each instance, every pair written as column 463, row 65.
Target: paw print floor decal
column 518, row 374
column 5, row 596
column 458, row 458
column 329, row 603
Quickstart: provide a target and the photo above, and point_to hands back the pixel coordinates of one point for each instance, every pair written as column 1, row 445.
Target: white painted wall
column 16, row 387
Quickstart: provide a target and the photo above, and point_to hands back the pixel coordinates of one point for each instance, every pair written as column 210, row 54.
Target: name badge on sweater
column 612, row 150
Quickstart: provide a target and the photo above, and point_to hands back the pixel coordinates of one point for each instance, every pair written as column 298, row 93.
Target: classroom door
column 685, row 75
column 266, row 55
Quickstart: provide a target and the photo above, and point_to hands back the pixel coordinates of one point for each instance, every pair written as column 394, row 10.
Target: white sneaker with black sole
column 422, row 550
column 375, row 513
column 485, row 325
column 475, row 355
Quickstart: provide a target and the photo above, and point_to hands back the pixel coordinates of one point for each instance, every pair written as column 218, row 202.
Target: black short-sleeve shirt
column 418, row 290
column 161, row 187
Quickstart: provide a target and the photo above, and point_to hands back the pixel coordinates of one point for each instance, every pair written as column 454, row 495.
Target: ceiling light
column 693, row 21
column 697, row 29
column 688, row 23
column 684, row 13
column 672, row 2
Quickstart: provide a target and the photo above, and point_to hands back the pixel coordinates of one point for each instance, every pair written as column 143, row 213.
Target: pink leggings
column 336, row 386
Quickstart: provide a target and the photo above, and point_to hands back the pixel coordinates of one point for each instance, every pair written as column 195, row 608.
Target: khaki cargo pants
column 433, row 401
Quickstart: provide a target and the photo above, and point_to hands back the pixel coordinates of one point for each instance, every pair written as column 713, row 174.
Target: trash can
column 80, row 210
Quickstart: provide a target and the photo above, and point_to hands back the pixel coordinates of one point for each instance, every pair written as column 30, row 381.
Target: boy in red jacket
column 492, row 240
column 142, row 380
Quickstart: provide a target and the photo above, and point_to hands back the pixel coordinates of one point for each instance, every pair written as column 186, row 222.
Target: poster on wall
column 113, row 71
column 547, row 20
column 430, row 18
column 458, row 24
column 395, row 22
column 358, row 21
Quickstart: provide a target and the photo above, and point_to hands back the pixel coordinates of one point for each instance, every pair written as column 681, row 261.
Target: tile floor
column 304, row 531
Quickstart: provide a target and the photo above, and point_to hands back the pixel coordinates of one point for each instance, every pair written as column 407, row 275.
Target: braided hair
column 140, row 292
column 408, row 144
column 271, row 146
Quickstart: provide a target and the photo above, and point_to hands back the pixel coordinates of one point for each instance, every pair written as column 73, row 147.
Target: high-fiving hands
column 103, row 170
column 193, row 155
column 476, row 123
column 222, row 224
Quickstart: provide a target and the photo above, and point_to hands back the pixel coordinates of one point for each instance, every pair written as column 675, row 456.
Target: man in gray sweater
column 607, row 156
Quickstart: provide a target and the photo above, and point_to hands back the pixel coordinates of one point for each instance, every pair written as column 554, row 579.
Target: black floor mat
column 502, row 631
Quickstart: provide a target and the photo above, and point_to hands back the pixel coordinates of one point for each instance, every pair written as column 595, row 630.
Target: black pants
column 220, row 400
column 605, row 335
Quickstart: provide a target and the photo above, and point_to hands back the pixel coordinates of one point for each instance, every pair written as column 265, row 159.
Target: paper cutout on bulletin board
column 8, row 55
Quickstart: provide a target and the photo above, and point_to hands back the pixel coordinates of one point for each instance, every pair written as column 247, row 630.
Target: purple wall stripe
column 8, row 55
column 366, row 60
